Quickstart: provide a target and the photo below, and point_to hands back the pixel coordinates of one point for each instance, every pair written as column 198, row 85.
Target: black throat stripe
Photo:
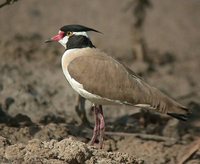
column 79, row 41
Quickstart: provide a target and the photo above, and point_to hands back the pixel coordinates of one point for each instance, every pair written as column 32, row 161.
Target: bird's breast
column 67, row 58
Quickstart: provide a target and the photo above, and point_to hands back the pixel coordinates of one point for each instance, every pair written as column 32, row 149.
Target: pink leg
column 97, row 125
column 102, row 126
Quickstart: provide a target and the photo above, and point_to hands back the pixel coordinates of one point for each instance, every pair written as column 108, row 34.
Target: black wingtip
column 182, row 117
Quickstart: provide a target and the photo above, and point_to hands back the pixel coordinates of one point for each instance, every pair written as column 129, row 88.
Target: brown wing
column 102, row 75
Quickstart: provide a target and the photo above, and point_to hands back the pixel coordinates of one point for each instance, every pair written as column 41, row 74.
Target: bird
column 103, row 80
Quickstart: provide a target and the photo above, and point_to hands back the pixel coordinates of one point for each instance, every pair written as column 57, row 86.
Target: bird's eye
column 69, row 33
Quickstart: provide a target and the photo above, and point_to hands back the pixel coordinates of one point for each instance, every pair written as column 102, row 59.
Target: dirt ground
column 38, row 123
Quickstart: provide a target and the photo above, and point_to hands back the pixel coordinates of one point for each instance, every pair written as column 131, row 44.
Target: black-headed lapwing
column 103, row 80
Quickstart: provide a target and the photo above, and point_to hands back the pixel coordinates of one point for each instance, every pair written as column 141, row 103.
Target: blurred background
column 159, row 40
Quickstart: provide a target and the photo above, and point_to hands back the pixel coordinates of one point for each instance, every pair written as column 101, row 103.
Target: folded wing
column 102, row 75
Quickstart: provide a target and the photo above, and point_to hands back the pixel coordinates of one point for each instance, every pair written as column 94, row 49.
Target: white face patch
column 64, row 40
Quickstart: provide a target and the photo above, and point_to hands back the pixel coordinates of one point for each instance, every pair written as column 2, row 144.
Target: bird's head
column 73, row 36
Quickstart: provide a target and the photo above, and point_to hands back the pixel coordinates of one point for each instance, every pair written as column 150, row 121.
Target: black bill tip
column 48, row 41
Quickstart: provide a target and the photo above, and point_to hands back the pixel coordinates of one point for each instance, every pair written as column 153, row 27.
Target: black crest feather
column 77, row 28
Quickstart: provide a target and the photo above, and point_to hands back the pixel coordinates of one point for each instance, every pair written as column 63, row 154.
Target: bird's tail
column 158, row 101
column 172, row 107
